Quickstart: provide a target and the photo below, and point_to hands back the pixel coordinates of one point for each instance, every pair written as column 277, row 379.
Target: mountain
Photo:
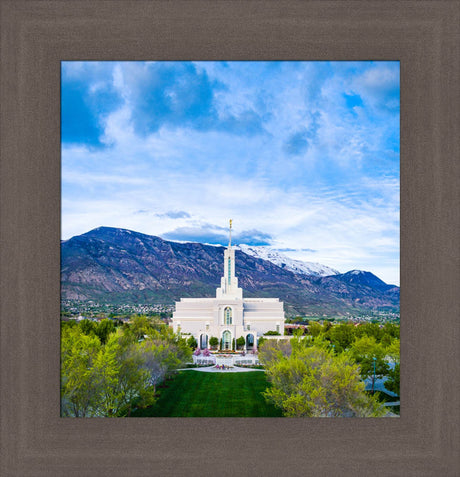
column 113, row 265
column 283, row 261
column 368, row 279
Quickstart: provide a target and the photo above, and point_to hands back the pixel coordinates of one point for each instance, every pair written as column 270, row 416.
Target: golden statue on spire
column 230, row 240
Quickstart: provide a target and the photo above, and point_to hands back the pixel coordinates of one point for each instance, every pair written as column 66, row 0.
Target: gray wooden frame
column 35, row 37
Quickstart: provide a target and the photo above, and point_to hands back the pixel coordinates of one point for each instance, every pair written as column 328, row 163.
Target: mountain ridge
column 120, row 265
column 283, row 261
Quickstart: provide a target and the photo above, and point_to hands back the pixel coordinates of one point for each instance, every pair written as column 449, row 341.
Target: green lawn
column 197, row 394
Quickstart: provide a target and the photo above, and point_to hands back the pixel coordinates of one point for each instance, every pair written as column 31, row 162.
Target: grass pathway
column 196, row 394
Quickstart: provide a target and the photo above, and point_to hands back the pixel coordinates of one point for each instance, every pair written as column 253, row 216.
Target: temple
column 228, row 316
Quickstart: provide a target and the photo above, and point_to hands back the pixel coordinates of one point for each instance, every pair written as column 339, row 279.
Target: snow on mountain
column 283, row 261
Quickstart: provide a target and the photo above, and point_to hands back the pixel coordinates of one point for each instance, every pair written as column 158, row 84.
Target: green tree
column 392, row 383
column 160, row 358
column 342, row 336
column 105, row 379
column 393, row 351
column 88, row 327
column 364, row 350
column 155, row 356
column 213, row 342
column 298, row 333
column 312, row 382
column 261, row 341
column 392, row 329
column 315, row 329
column 369, row 329
column 103, row 329
column 132, row 377
column 78, row 381
column 240, row 342
column 68, row 324
column 273, row 351
column 191, row 342
column 386, row 339
column 142, row 327
column 105, row 370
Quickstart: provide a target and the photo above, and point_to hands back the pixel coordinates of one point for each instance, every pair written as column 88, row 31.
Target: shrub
column 191, row 342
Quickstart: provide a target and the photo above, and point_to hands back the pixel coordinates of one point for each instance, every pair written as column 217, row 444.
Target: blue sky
column 303, row 156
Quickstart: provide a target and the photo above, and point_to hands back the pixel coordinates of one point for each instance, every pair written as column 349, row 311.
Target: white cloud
column 332, row 198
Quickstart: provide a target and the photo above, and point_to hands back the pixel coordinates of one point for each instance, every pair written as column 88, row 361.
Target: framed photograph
column 168, row 311
column 51, row 51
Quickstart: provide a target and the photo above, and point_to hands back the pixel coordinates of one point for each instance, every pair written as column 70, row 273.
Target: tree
column 78, row 382
column 162, row 355
column 392, row 383
column 342, row 336
column 315, row 329
column 191, row 342
column 364, row 350
column 103, row 329
column 154, row 357
column 369, row 329
column 213, row 342
column 87, row 327
column 392, row 329
column 68, row 324
column 142, row 326
column 312, row 382
column 240, row 342
column 261, row 341
column 132, row 377
column 393, row 351
column 105, row 379
column 298, row 332
column 273, row 351
column 105, row 371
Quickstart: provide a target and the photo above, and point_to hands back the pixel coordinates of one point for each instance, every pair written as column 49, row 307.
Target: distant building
column 229, row 315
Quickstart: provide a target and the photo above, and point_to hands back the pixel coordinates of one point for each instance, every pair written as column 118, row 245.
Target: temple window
column 227, row 316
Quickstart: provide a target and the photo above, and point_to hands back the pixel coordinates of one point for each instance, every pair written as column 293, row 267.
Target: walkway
column 379, row 385
column 213, row 369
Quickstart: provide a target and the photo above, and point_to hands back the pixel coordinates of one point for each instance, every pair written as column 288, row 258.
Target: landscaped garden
column 197, row 394
column 133, row 369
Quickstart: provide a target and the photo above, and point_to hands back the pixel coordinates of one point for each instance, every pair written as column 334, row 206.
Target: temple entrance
column 249, row 341
column 226, row 340
column 203, row 341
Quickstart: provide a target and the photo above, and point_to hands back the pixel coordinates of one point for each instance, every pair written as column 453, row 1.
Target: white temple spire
column 229, row 282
